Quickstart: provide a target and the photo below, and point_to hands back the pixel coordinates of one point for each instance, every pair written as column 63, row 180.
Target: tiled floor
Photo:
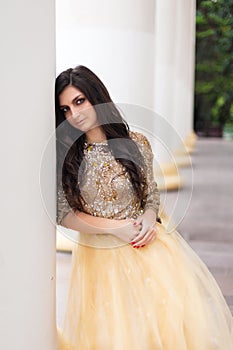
column 207, row 224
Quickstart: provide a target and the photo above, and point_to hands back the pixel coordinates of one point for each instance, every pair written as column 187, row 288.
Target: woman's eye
column 64, row 110
column 80, row 100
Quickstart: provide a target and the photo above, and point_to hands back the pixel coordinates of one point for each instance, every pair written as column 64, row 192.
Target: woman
column 147, row 289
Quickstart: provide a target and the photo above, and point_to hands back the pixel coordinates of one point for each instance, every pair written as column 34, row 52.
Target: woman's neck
column 95, row 135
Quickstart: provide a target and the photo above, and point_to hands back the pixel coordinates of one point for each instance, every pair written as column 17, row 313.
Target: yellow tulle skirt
column 159, row 297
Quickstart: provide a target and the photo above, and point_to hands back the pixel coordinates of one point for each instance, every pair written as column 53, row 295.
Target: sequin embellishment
column 107, row 190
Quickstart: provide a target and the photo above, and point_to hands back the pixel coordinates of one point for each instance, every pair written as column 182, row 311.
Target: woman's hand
column 127, row 231
column 82, row 222
column 148, row 230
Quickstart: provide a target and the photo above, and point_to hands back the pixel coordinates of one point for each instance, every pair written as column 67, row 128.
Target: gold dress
column 159, row 297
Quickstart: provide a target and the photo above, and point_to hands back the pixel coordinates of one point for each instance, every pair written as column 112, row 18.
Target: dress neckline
column 105, row 142
column 88, row 144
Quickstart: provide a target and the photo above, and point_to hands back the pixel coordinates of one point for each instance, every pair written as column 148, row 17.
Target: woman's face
column 77, row 109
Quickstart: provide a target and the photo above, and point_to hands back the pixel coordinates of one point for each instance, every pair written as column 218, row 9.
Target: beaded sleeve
column 63, row 207
column 151, row 196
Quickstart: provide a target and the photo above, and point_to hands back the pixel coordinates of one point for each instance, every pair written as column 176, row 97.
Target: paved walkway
column 208, row 223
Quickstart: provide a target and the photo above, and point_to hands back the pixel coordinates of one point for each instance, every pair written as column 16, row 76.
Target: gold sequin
column 107, row 190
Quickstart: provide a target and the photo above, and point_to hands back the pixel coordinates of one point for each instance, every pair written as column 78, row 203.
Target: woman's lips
column 80, row 122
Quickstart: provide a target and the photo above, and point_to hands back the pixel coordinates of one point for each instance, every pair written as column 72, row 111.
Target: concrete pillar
column 173, row 99
column 27, row 250
column 184, row 70
column 167, row 174
column 174, row 70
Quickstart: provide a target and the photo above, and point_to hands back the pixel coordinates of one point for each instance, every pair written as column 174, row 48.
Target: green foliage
column 214, row 63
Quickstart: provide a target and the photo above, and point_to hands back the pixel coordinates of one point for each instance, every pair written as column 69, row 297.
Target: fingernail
column 143, row 245
column 134, row 223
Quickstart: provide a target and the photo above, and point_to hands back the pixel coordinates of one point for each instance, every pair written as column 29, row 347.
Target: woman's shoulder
column 139, row 138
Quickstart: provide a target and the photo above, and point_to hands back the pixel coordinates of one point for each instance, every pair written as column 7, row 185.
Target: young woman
column 133, row 285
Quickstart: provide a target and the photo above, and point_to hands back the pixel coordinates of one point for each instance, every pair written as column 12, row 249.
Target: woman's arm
column 123, row 229
column 82, row 222
column 151, row 195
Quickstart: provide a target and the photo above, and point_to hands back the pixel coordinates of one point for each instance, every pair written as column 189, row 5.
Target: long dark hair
column 70, row 141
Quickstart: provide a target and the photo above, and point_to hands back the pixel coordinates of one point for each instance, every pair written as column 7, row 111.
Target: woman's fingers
column 137, row 238
column 136, row 231
column 144, row 231
column 148, row 238
column 151, row 238
column 138, row 221
column 144, row 240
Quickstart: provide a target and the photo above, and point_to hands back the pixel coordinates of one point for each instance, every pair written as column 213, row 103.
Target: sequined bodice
column 106, row 189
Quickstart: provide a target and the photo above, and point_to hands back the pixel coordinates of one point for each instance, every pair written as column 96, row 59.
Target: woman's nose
column 74, row 112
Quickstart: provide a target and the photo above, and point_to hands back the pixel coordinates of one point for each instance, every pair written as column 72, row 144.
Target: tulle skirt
column 159, row 297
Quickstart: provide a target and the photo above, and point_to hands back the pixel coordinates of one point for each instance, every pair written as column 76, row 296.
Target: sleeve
column 63, row 206
column 151, row 196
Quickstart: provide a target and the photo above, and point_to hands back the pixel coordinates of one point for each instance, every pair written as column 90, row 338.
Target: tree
column 214, row 64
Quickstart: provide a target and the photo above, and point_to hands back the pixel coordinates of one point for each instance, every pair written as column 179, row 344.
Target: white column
column 173, row 96
column 165, row 44
column 184, row 67
column 164, row 92
column 174, row 70
column 174, row 62
column 27, row 250
column 113, row 38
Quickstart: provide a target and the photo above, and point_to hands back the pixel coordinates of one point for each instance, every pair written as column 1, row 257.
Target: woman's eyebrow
column 72, row 100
